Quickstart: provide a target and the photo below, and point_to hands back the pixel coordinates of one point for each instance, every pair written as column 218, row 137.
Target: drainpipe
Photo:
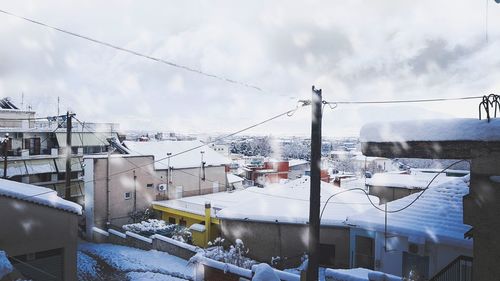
column 208, row 221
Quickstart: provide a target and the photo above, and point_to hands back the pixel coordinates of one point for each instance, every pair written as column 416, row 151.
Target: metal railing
column 460, row 269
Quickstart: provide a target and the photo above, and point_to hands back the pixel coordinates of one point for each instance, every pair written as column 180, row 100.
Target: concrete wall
column 267, row 240
column 142, row 183
column 482, row 212
column 30, row 228
column 133, row 180
column 389, row 193
column 190, row 180
column 161, row 244
column 16, row 114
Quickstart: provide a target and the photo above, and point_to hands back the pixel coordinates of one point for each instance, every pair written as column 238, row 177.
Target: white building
column 423, row 238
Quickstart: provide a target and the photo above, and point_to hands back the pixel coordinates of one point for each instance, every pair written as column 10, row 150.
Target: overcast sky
column 353, row 50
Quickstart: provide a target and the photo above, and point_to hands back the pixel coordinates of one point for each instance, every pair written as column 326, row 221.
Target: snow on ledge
column 357, row 274
column 459, row 129
column 100, row 231
column 175, row 242
column 37, row 194
column 226, row 267
column 284, row 276
column 117, row 233
column 139, row 237
column 197, row 227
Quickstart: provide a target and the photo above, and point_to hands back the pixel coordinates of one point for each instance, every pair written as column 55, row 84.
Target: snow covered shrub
column 153, row 226
column 234, row 254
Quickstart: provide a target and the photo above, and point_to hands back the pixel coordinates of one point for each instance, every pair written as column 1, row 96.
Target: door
column 364, row 255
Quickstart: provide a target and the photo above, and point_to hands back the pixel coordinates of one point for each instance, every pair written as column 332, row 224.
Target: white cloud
column 355, row 50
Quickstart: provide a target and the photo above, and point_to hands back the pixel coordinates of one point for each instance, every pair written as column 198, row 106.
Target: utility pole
column 168, row 174
column 201, row 177
column 67, row 189
column 5, row 143
column 135, row 197
column 314, row 199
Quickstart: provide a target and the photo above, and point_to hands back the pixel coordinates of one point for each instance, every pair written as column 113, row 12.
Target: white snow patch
column 86, row 266
column 197, row 227
column 226, row 267
column 264, row 272
column 5, row 265
column 357, row 274
column 437, row 215
column 151, row 276
column 139, row 237
column 459, row 129
column 100, row 231
column 414, row 181
column 231, row 178
column 117, row 233
column 129, row 259
column 37, row 194
column 189, row 159
column 175, row 242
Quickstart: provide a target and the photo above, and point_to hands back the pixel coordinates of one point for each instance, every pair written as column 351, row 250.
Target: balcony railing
column 459, row 269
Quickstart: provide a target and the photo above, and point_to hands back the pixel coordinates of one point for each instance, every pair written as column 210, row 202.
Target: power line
column 288, row 113
column 402, row 101
column 170, row 63
column 402, row 208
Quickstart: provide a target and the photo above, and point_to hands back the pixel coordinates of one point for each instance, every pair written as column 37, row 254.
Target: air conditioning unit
column 162, row 187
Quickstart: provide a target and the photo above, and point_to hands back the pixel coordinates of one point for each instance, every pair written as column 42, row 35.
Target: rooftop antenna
column 22, row 101
column 58, row 105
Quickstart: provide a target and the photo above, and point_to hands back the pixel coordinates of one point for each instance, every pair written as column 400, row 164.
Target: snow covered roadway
column 113, row 262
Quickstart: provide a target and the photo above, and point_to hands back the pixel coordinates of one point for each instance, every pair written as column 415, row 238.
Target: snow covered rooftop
column 287, row 203
column 231, row 178
column 297, row 162
column 37, row 194
column 414, row 181
column 188, row 159
column 466, row 129
column 436, row 216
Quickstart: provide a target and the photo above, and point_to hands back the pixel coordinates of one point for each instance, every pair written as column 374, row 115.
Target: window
column 149, row 185
column 327, row 254
column 171, row 220
column 128, row 195
column 40, row 265
column 182, row 222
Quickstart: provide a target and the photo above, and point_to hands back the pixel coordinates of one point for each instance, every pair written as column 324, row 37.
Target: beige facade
column 41, row 236
column 120, row 185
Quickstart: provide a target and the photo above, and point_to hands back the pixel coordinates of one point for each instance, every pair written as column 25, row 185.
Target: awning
column 85, row 138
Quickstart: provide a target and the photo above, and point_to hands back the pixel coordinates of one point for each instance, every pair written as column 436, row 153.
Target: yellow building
column 200, row 219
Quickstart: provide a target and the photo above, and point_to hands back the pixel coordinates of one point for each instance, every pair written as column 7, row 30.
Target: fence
column 219, row 271
column 459, row 269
